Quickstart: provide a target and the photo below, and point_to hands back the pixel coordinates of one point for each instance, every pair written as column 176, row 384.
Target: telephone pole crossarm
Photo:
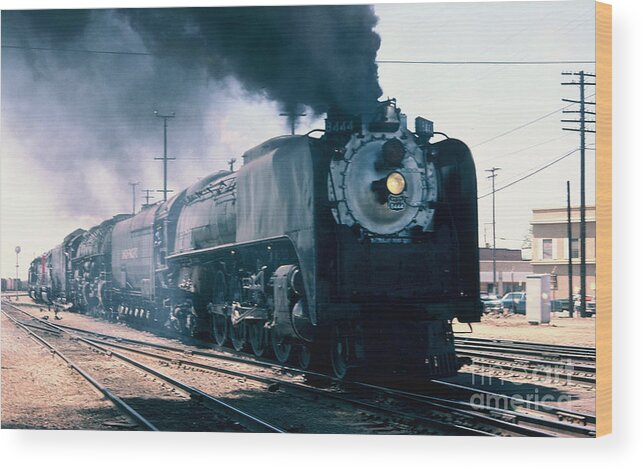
column 147, row 196
column 293, row 119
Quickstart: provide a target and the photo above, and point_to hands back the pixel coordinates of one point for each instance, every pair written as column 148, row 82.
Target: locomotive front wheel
column 280, row 347
column 219, row 329
column 340, row 352
column 258, row 338
column 238, row 336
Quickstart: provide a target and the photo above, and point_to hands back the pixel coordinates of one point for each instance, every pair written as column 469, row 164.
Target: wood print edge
column 603, row 219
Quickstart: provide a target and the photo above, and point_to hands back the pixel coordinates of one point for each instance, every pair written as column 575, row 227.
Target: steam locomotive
column 355, row 249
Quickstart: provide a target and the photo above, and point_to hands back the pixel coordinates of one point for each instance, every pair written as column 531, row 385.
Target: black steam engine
column 356, row 249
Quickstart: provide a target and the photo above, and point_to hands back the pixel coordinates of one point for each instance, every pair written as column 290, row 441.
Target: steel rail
column 571, row 366
column 524, row 351
column 45, row 329
column 253, row 361
column 557, row 426
column 553, row 376
column 539, row 406
column 436, row 404
column 535, row 345
column 122, row 405
column 460, row 430
column 457, row 405
column 249, row 421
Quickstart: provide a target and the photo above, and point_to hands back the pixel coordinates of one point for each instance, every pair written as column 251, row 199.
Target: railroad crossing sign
column 17, row 249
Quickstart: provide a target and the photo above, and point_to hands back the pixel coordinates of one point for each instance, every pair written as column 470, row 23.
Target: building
column 511, row 270
column 550, row 251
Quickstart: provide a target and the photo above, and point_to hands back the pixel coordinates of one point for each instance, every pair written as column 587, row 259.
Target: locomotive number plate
column 396, row 202
column 339, row 126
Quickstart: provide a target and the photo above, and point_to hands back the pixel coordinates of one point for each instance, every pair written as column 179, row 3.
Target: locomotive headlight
column 395, row 183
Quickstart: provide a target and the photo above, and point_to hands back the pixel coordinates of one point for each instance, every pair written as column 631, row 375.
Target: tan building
column 511, row 270
column 550, row 251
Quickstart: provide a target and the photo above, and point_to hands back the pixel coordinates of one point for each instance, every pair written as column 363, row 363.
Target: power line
column 560, row 158
column 522, row 126
column 82, row 51
column 494, row 157
column 383, row 61
column 485, row 62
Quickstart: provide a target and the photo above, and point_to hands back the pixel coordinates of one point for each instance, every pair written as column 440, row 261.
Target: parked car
column 590, row 305
column 515, row 302
column 559, row 305
column 490, row 302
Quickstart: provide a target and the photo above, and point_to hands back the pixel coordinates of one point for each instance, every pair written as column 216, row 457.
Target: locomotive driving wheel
column 258, row 337
column 219, row 328
column 304, row 356
column 280, row 347
column 219, row 321
column 238, row 336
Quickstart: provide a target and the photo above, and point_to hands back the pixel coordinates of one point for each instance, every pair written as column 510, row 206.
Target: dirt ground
column 55, row 397
column 560, row 331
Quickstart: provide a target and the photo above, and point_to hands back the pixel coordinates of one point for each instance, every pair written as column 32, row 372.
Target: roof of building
column 502, row 254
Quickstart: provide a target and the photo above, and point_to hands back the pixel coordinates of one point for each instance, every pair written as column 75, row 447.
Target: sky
column 77, row 127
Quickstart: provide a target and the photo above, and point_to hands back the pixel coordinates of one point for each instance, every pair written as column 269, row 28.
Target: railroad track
column 534, row 349
column 159, row 408
column 556, row 364
column 455, row 415
column 391, row 422
column 555, row 372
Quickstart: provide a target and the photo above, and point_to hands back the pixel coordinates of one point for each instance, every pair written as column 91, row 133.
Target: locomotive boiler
column 355, row 250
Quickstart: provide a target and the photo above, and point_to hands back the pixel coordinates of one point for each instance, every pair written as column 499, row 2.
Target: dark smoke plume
column 87, row 117
column 319, row 56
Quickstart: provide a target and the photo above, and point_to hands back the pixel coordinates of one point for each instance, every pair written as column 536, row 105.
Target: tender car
column 490, row 302
column 515, row 302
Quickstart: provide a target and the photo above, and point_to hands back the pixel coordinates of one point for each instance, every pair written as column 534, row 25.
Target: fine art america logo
column 543, row 384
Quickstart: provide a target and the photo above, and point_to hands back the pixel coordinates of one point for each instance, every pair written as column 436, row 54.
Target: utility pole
column 15, row 287
column 231, row 163
column 165, row 159
column 147, row 196
column 133, row 184
column 582, row 121
column 292, row 116
column 493, row 196
column 570, row 265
